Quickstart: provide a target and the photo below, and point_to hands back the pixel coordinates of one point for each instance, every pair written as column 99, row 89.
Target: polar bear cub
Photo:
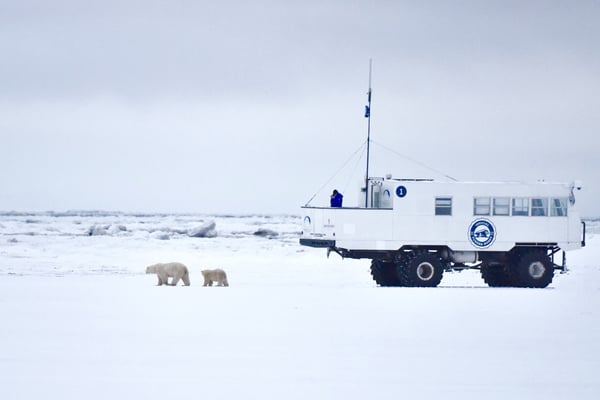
column 215, row 275
column 173, row 270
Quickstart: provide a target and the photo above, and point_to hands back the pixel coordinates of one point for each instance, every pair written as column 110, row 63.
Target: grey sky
column 234, row 106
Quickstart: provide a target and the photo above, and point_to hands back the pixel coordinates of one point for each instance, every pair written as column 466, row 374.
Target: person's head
column 335, row 192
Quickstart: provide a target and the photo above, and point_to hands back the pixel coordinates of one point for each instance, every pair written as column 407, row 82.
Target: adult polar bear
column 173, row 270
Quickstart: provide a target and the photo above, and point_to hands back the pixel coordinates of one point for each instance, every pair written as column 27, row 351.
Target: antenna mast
column 368, row 116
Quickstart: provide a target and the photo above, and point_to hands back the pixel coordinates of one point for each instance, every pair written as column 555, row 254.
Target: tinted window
column 539, row 207
column 501, row 206
column 481, row 206
column 443, row 206
column 520, row 207
column 559, row 208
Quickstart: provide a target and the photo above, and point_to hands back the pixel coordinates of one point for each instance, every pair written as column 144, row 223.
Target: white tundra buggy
column 415, row 229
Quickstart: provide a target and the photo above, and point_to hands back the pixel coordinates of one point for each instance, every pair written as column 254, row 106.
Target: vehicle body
column 414, row 229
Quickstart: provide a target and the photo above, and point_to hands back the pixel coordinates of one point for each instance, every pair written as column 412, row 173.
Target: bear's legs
column 176, row 278
column 186, row 279
column 163, row 278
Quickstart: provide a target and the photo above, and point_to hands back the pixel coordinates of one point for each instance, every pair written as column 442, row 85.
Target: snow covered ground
column 81, row 320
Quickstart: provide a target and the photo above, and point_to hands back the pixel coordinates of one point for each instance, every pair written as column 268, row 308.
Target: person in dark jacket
column 336, row 199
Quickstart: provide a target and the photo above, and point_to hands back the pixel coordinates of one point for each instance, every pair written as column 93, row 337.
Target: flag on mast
column 367, row 112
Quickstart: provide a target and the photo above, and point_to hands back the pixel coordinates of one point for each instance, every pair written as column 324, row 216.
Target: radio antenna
column 368, row 116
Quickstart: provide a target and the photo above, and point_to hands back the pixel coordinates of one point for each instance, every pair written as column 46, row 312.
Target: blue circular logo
column 401, row 191
column 482, row 233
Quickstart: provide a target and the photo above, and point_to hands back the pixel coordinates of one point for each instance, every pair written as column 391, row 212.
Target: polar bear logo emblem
column 482, row 233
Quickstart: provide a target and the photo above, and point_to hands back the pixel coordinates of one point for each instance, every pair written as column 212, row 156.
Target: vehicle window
column 481, row 206
column 559, row 207
column 520, row 207
column 539, row 207
column 501, row 206
column 443, row 206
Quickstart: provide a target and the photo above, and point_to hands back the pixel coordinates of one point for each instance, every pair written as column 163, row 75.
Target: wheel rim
column 537, row 269
column 425, row 271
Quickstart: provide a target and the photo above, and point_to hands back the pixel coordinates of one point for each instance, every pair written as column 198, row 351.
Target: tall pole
column 368, row 116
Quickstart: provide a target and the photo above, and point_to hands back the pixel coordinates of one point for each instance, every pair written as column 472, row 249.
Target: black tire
column 534, row 270
column 384, row 273
column 421, row 269
column 496, row 275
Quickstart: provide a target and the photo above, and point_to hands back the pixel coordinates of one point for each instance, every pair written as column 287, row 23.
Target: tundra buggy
column 415, row 229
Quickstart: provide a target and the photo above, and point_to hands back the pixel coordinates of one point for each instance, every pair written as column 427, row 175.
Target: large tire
column 534, row 270
column 384, row 273
column 421, row 269
column 496, row 275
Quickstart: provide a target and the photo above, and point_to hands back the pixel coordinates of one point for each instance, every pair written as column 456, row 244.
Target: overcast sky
column 239, row 106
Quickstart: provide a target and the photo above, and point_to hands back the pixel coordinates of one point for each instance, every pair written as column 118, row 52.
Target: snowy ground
column 80, row 319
